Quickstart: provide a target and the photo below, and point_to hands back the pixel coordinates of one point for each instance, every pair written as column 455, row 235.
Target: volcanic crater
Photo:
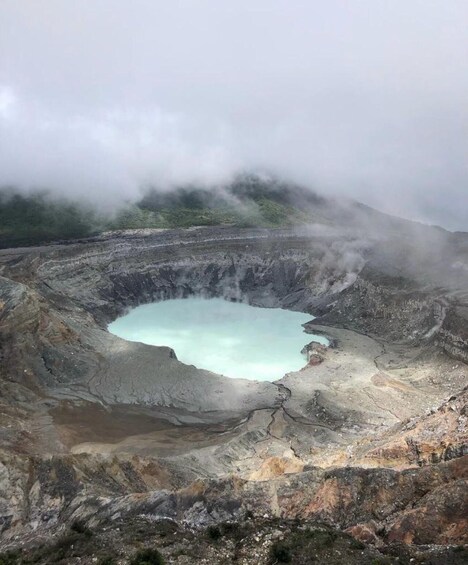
column 370, row 436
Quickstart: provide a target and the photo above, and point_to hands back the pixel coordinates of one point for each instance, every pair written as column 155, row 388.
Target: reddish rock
column 314, row 360
column 364, row 532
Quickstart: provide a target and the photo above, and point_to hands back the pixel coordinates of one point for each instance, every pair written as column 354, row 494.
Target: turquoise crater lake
column 229, row 338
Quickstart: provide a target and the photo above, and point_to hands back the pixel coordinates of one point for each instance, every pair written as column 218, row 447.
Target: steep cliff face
column 453, row 334
column 420, row 506
column 271, row 269
column 413, row 287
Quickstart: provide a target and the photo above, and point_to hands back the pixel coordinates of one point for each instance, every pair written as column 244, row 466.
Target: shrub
column 80, row 527
column 214, row 532
column 356, row 544
column 107, row 561
column 280, row 552
column 322, row 538
column 9, row 558
column 147, row 557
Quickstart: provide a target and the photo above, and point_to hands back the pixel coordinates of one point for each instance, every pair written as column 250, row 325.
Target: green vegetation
column 107, row 561
column 249, row 201
column 356, row 544
column 280, row 552
column 252, row 204
column 10, row 558
column 287, row 542
column 73, row 542
column 321, row 545
column 76, row 541
column 232, row 530
column 147, row 557
column 214, row 533
column 36, row 218
column 135, row 217
column 81, row 528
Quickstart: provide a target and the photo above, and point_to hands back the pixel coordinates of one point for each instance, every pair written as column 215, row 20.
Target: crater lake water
column 229, row 338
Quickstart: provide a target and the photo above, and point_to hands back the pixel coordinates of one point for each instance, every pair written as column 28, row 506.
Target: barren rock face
column 370, row 435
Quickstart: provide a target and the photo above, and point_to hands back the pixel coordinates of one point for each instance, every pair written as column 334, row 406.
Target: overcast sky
column 367, row 98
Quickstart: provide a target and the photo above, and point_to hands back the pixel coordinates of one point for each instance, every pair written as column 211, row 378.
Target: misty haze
column 233, row 282
column 363, row 99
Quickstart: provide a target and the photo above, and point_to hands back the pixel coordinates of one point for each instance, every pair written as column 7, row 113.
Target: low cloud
column 365, row 99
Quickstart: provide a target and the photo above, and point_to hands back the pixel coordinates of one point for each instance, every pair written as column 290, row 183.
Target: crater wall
column 61, row 372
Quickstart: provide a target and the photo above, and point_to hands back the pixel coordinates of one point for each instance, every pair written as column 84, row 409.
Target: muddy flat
column 90, row 427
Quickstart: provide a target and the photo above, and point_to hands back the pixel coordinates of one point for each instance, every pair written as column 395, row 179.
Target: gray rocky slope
column 89, row 420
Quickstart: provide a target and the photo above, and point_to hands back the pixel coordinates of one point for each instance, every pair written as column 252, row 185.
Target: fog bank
column 361, row 98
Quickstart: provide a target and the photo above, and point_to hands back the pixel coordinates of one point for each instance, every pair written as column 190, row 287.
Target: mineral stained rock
column 370, row 437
